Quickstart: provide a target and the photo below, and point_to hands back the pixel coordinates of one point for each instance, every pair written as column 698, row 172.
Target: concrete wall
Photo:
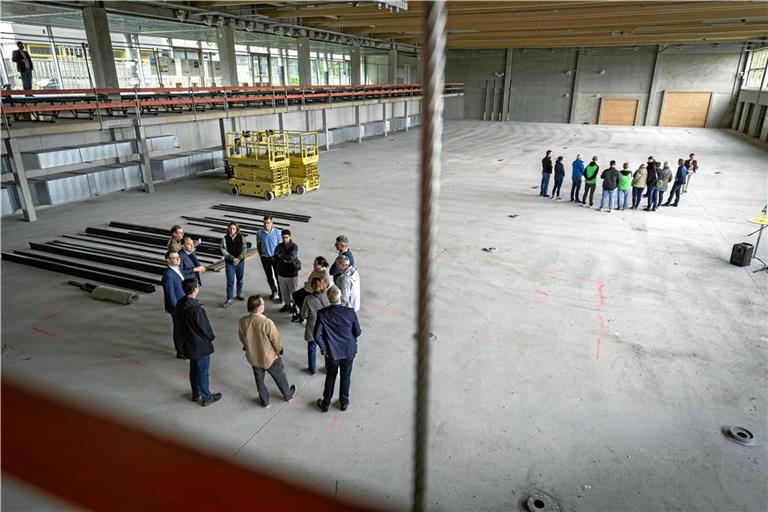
column 541, row 89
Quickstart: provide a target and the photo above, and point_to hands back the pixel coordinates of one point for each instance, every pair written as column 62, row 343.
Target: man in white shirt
column 348, row 282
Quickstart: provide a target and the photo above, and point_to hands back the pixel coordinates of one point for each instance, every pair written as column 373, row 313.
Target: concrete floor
column 592, row 356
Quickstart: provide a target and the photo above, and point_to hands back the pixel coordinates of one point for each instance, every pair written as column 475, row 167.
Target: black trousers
column 332, row 367
column 270, row 270
column 589, row 190
column 299, row 296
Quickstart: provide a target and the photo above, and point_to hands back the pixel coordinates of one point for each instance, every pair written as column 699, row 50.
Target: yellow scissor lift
column 259, row 162
column 302, row 147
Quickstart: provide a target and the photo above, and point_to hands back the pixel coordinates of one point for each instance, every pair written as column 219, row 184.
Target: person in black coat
column 559, row 177
column 190, row 266
column 288, row 266
column 336, row 332
column 650, row 183
column 546, row 173
column 23, row 65
column 196, row 339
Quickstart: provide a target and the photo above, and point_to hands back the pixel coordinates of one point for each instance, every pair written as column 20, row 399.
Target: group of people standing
column 328, row 302
column 618, row 184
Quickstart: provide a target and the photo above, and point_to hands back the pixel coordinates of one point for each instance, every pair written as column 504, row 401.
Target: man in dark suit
column 23, row 65
column 190, row 266
column 172, row 292
column 196, row 337
column 336, row 332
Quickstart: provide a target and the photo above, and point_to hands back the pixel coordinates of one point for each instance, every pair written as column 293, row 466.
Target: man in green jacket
column 590, row 181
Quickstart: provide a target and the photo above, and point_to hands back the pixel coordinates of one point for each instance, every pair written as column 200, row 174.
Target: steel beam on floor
column 147, row 248
column 80, row 271
column 143, row 238
column 280, row 225
column 254, row 211
column 157, row 259
column 219, row 222
column 110, row 271
column 161, row 231
column 152, row 268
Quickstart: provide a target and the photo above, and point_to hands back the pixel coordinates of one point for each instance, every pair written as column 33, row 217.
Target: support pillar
column 141, row 142
column 305, row 64
column 359, row 125
column 56, row 65
column 392, row 67
column 405, row 112
column 507, row 90
column 653, row 91
column 327, row 131
column 280, row 121
column 354, row 64
column 225, row 36
column 20, row 178
column 384, row 117
column 575, row 86
column 100, row 47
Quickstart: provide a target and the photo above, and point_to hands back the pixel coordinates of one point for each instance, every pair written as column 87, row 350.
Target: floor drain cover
column 540, row 502
column 741, row 435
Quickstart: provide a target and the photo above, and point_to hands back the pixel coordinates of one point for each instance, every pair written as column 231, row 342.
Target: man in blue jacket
column 172, row 292
column 577, row 172
column 342, row 246
column 680, row 177
column 336, row 332
column 190, row 266
column 196, row 337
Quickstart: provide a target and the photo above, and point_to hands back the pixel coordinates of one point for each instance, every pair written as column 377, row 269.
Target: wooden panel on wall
column 688, row 109
column 620, row 112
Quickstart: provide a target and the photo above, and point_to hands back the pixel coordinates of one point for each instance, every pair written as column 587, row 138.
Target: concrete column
column 327, row 131
column 354, row 64
column 384, row 117
column 20, row 178
column 280, row 121
column 359, row 125
column 754, row 130
column 100, row 47
column 418, row 68
column 305, row 65
column 507, row 91
column 146, row 174
column 392, row 67
column 653, row 91
column 575, row 86
column 225, row 36
column 405, row 114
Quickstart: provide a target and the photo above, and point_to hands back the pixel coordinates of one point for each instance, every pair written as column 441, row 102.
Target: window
column 756, row 69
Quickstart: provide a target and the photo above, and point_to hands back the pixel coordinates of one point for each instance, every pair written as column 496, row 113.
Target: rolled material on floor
column 116, row 295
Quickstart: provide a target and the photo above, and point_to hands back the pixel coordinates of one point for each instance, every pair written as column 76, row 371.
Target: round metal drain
column 740, row 435
column 540, row 502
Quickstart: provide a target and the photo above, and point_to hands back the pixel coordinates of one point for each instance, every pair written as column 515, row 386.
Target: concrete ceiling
column 521, row 24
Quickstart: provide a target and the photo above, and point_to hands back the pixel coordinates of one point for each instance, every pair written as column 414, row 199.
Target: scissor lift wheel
column 235, row 191
column 301, row 189
column 269, row 195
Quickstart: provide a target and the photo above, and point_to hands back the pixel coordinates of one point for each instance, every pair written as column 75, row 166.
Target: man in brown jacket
column 263, row 347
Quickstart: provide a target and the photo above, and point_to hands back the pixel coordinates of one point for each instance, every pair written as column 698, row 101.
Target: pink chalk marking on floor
column 601, row 293
column 601, row 322
column 541, row 292
column 332, row 424
column 384, row 308
column 48, row 317
column 43, row 331
column 598, row 342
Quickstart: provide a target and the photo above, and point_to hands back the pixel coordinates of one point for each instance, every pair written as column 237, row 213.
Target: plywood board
column 617, row 112
column 688, row 109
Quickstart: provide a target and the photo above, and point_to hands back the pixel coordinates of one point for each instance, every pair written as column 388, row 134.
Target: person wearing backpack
column 590, row 181
column 288, row 266
column 625, row 184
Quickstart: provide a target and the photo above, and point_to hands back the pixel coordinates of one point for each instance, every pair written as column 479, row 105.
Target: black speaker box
column 741, row 255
